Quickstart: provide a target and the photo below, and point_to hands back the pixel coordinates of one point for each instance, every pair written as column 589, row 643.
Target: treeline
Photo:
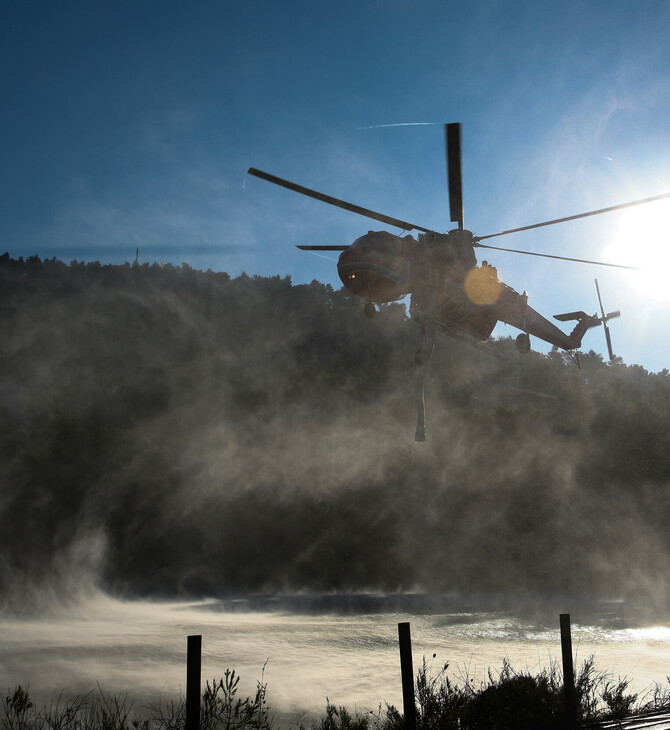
column 167, row 431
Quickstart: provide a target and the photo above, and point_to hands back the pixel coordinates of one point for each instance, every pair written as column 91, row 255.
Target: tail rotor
column 604, row 318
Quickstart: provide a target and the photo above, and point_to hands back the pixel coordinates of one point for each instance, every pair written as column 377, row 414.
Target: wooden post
column 407, row 675
column 568, row 672
column 193, row 654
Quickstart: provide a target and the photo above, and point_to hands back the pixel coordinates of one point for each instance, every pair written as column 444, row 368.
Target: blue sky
column 132, row 124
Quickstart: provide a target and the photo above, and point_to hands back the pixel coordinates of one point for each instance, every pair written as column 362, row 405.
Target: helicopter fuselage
column 448, row 290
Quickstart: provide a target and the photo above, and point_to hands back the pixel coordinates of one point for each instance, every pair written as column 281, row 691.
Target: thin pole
column 407, row 675
column 568, row 672
column 193, row 656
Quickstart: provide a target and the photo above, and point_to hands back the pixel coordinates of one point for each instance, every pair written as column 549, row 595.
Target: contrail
column 332, row 261
column 401, row 124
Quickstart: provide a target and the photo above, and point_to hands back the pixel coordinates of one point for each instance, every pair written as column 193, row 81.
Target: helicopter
column 449, row 292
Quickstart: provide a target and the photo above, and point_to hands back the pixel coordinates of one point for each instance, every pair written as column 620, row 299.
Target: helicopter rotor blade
column 323, row 248
column 336, row 202
column 553, row 256
column 452, row 134
column 579, row 215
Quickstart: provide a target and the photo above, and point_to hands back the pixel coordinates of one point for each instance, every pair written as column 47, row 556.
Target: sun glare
column 642, row 239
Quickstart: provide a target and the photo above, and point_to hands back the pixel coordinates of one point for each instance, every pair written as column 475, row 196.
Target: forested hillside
column 166, row 431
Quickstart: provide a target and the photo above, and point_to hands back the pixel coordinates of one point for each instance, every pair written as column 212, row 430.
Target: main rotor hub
column 456, row 246
column 465, row 238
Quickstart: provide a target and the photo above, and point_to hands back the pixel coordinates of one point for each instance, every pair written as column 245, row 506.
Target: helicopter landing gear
column 370, row 310
column 523, row 343
column 421, row 360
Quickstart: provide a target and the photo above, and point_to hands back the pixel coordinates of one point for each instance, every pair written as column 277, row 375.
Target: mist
column 168, row 433
column 305, row 648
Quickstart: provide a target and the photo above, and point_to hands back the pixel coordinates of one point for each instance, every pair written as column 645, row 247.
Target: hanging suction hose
column 421, row 360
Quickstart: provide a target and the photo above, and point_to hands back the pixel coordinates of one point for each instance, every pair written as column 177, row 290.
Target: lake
column 342, row 648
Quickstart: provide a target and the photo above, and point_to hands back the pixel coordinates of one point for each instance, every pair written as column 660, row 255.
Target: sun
column 642, row 238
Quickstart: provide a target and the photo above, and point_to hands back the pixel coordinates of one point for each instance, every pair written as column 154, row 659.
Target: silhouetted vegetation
column 167, row 431
column 508, row 700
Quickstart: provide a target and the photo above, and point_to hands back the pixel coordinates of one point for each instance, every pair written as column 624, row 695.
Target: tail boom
column 514, row 309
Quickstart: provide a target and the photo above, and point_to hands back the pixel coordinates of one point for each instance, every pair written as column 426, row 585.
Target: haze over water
column 349, row 657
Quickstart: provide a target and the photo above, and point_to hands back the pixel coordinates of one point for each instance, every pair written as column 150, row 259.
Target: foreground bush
column 219, row 708
column 510, row 700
